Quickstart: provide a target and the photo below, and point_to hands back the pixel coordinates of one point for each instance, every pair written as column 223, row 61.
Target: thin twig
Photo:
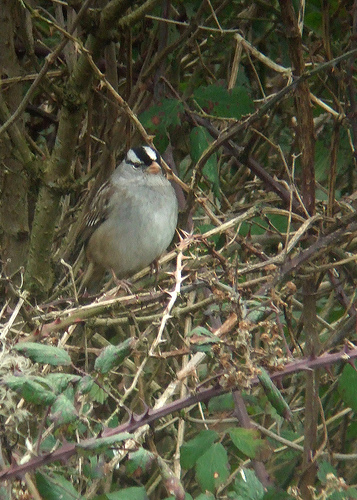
column 49, row 60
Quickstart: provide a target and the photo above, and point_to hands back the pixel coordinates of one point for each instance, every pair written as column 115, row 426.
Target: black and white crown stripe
column 143, row 155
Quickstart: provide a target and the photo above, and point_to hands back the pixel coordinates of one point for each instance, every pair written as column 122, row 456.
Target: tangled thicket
column 252, row 105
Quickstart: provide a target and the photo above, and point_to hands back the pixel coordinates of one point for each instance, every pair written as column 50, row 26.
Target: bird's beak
column 154, row 168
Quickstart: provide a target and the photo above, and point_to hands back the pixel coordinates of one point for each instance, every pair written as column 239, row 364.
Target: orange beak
column 154, row 168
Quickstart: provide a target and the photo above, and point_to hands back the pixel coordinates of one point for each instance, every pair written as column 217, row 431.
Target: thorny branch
column 247, row 283
column 66, row 451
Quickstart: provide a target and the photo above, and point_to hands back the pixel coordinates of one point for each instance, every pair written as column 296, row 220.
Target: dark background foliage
column 253, row 107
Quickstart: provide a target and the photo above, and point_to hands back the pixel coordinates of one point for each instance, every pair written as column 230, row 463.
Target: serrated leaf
column 112, row 356
column 86, row 384
column 212, row 468
column 191, row 451
column 31, row 390
column 248, row 486
column 56, row 487
column 347, row 387
column 161, row 116
column 98, row 394
column 18, row 381
column 99, row 445
column 63, row 411
column 247, row 441
column 59, row 381
column 39, row 353
column 218, row 101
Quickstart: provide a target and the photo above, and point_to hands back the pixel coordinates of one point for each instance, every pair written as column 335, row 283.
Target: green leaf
column 63, row 411
column 345, row 494
column 313, row 21
column 200, row 140
column 216, row 238
column 247, row 441
column 60, row 381
column 202, row 340
column 248, row 486
column 349, row 493
column 256, row 311
column 203, row 335
column 112, row 356
column 224, row 402
column 274, row 395
column 212, row 468
column 86, row 384
column 347, row 387
column 322, row 160
column 205, row 348
column 98, row 394
column 139, row 462
column 48, row 444
column 187, row 497
column 205, row 496
column 99, row 445
column 191, row 451
column 324, row 469
column 47, row 354
column 134, row 493
column 93, row 468
column 276, row 494
column 161, row 116
column 351, row 434
column 218, row 101
column 31, row 390
column 5, row 493
column 260, row 225
column 56, row 487
column 16, row 382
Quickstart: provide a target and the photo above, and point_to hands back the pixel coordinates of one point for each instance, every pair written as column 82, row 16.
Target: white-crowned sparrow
column 132, row 218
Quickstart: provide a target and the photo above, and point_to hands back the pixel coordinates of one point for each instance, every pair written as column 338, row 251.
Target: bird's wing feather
column 98, row 212
column 99, row 208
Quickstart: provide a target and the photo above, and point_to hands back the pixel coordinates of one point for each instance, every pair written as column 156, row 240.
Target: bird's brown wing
column 98, row 212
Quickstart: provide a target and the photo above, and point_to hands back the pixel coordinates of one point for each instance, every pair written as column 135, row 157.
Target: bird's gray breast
column 141, row 226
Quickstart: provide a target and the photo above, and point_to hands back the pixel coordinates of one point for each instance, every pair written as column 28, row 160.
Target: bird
column 131, row 220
